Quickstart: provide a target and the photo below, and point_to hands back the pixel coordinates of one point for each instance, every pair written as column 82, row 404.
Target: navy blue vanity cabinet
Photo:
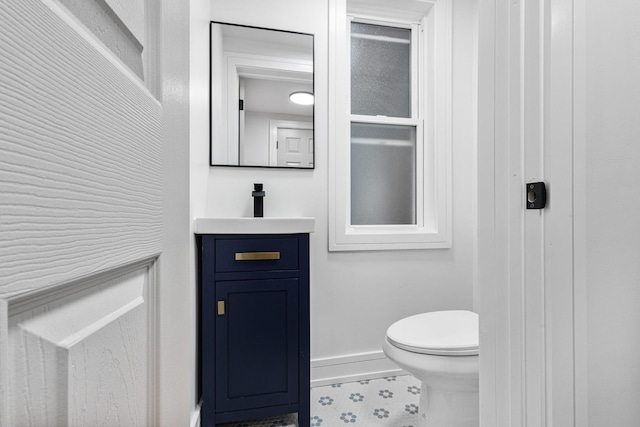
column 254, row 326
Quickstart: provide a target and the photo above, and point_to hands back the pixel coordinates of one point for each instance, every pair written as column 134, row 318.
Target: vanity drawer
column 259, row 254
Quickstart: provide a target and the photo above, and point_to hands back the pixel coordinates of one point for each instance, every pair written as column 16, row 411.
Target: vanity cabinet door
column 257, row 343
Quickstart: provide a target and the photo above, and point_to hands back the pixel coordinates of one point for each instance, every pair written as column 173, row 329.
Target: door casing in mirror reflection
column 253, row 72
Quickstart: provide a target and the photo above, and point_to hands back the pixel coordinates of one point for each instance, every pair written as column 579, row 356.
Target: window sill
column 376, row 238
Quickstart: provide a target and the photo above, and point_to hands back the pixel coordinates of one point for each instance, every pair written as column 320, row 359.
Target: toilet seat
column 442, row 333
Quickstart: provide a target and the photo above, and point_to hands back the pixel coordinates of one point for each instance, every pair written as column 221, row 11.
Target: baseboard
column 341, row 369
column 352, row 367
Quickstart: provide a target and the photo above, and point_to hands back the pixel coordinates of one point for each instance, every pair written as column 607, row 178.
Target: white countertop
column 267, row 225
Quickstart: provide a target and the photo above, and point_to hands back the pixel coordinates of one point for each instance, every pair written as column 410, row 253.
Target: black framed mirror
column 261, row 97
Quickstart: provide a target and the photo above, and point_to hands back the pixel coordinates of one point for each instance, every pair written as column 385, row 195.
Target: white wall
column 354, row 296
column 177, row 314
column 221, row 152
column 607, row 218
column 198, row 157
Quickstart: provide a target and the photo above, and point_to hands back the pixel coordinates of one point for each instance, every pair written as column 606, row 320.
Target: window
column 383, row 141
column 390, row 138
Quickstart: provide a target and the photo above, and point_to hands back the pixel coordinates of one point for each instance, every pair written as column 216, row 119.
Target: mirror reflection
column 261, row 97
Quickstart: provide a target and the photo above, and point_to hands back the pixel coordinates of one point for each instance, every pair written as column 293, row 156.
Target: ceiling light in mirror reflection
column 301, row 98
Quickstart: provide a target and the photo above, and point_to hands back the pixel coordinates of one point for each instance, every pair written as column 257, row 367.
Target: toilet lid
column 448, row 333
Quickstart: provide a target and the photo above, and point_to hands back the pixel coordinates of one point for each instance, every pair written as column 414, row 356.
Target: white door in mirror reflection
column 291, row 143
column 295, row 147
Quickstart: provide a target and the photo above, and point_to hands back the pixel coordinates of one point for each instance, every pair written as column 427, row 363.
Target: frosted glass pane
column 383, row 174
column 380, row 70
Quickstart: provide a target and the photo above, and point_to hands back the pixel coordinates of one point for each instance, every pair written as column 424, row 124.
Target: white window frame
column 431, row 116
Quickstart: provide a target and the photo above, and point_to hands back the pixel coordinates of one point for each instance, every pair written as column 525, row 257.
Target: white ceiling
column 272, row 96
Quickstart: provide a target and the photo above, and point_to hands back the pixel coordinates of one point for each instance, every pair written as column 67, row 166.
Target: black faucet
column 258, row 201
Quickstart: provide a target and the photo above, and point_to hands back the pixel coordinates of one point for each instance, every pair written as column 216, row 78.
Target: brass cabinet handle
column 256, row 256
column 221, row 308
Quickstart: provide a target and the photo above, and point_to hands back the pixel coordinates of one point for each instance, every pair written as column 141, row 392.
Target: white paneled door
column 525, row 256
column 80, row 212
column 295, row 147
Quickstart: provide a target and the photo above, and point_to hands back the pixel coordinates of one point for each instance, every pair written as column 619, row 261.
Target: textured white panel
column 4, row 364
column 80, row 170
column 37, row 378
column 108, row 25
column 107, row 374
column 131, row 13
column 79, row 355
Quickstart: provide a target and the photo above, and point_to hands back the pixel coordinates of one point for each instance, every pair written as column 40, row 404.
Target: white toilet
column 440, row 348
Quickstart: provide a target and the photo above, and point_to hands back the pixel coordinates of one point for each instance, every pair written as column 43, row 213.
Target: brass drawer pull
column 256, row 256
